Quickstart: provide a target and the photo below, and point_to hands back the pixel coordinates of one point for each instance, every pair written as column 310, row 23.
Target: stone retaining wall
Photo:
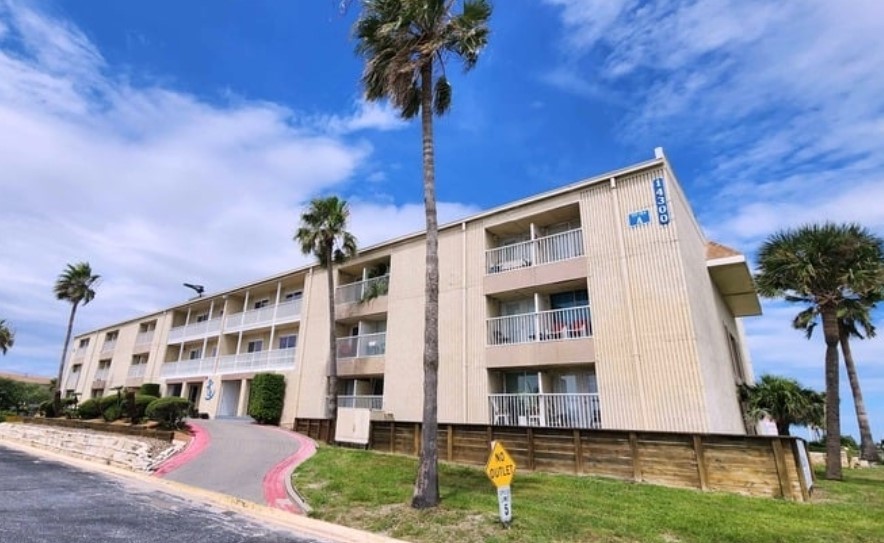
column 135, row 453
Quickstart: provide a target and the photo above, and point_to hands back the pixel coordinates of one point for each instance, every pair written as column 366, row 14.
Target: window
column 255, row 346
column 76, row 368
column 261, row 303
column 294, row 295
column 736, row 358
column 111, row 336
column 147, row 326
column 104, row 364
column 564, row 300
column 521, row 383
column 139, row 359
column 96, row 393
column 195, row 354
column 84, row 343
column 203, row 317
column 288, row 342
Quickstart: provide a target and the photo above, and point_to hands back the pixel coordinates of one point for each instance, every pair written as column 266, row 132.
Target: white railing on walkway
column 136, row 371
column 195, row 330
column 579, row 410
column 144, row 338
column 108, row 346
column 562, row 246
column 264, row 316
column 570, row 323
column 352, row 293
column 364, row 345
column 280, row 359
column 375, row 403
column 188, row 368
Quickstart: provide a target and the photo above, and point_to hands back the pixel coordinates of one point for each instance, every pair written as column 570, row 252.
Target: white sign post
column 500, row 468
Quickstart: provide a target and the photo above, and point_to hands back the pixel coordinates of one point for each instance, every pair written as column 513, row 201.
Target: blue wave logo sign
column 210, row 389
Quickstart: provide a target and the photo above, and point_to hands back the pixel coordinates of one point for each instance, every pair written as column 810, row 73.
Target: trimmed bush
column 90, row 409
column 266, row 398
column 112, row 413
column 149, row 389
column 141, row 403
column 169, row 412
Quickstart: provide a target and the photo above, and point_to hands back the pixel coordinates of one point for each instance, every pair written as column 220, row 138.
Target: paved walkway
column 240, row 459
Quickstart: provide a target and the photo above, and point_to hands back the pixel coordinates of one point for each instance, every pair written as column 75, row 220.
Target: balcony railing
column 72, row 381
column 108, row 345
column 562, row 246
column 375, row 403
column 101, row 374
column 361, row 346
column 188, row 368
column 144, row 338
column 281, row 359
column 195, row 330
column 580, row 410
column 136, row 371
column 362, row 290
column 556, row 324
column 265, row 316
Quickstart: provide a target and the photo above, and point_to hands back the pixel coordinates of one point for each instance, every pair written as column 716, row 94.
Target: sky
column 167, row 142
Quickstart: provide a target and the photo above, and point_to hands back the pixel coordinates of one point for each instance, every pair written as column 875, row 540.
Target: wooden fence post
column 578, row 453
column 701, row 462
column 392, row 436
column 450, row 444
column 782, row 471
column 417, row 439
column 803, row 482
column 636, row 463
column 531, row 462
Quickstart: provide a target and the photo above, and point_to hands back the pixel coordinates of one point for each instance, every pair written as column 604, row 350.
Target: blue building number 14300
column 661, row 202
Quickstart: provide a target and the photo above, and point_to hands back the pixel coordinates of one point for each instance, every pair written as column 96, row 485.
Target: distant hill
column 26, row 378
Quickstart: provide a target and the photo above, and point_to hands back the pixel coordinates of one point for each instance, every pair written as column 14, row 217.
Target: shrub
column 150, row 389
column 111, row 406
column 47, row 408
column 112, row 413
column 141, row 403
column 90, row 409
column 266, row 398
column 169, row 412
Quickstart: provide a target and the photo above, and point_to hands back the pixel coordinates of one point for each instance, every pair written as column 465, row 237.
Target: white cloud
column 152, row 186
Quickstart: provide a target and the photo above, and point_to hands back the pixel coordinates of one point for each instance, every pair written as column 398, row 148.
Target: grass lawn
column 371, row 491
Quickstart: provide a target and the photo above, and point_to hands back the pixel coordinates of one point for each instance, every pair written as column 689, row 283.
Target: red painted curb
column 194, row 448
column 275, row 494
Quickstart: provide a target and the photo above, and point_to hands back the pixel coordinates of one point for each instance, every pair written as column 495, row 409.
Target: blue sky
column 177, row 141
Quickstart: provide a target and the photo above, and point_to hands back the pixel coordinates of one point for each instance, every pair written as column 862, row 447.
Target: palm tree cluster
column 830, row 268
column 785, row 401
column 405, row 44
column 75, row 285
column 7, row 336
column 323, row 234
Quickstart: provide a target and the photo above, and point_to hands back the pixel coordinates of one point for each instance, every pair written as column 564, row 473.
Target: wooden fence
column 164, row 435
column 752, row 465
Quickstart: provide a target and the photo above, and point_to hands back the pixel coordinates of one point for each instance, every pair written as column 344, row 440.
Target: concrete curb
column 197, row 444
column 301, row 524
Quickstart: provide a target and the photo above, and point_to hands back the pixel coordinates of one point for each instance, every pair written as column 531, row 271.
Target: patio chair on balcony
column 500, row 418
column 577, row 329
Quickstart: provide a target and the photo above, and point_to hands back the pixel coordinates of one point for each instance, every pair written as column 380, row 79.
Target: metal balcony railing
column 72, row 381
column 554, row 248
column 101, row 374
column 144, row 338
column 361, row 346
column 108, row 345
column 188, row 368
column 556, row 324
column 195, row 330
column 375, row 403
column 136, row 371
column 280, row 359
column 578, row 410
column 265, row 316
column 359, row 291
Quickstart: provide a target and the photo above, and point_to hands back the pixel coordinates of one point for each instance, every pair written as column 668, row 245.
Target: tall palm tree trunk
column 64, row 353
column 426, row 486
column 868, row 451
column 332, row 372
column 783, row 427
column 833, row 401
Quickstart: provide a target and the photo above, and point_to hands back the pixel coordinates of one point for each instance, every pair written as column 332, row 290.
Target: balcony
column 579, row 410
column 265, row 316
column 535, row 252
column 108, row 346
column 196, row 330
column 554, row 325
column 144, row 339
column 101, row 374
column 362, row 346
column 375, row 403
column 136, row 371
column 72, row 381
column 199, row 367
column 362, row 291
column 280, row 359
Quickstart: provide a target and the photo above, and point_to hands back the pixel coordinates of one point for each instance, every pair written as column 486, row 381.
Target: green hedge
column 266, row 398
column 169, row 412
column 142, row 401
column 150, row 389
column 90, row 409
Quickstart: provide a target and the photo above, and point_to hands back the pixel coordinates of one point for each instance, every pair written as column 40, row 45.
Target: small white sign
column 505, row 501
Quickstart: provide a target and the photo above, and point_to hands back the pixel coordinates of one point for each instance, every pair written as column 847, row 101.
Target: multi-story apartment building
column 596, row 305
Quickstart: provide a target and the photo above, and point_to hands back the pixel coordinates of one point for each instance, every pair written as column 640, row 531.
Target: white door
column 229, row 398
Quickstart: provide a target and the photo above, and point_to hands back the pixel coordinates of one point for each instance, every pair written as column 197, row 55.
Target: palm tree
column 74, row 285
column 404, row 43
column 323, row 234
column 785, row 401
column 852, row 316
column 7, row 336
column 825, row 265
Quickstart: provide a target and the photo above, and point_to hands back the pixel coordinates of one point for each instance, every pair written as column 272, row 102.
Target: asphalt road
column 43, row 501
